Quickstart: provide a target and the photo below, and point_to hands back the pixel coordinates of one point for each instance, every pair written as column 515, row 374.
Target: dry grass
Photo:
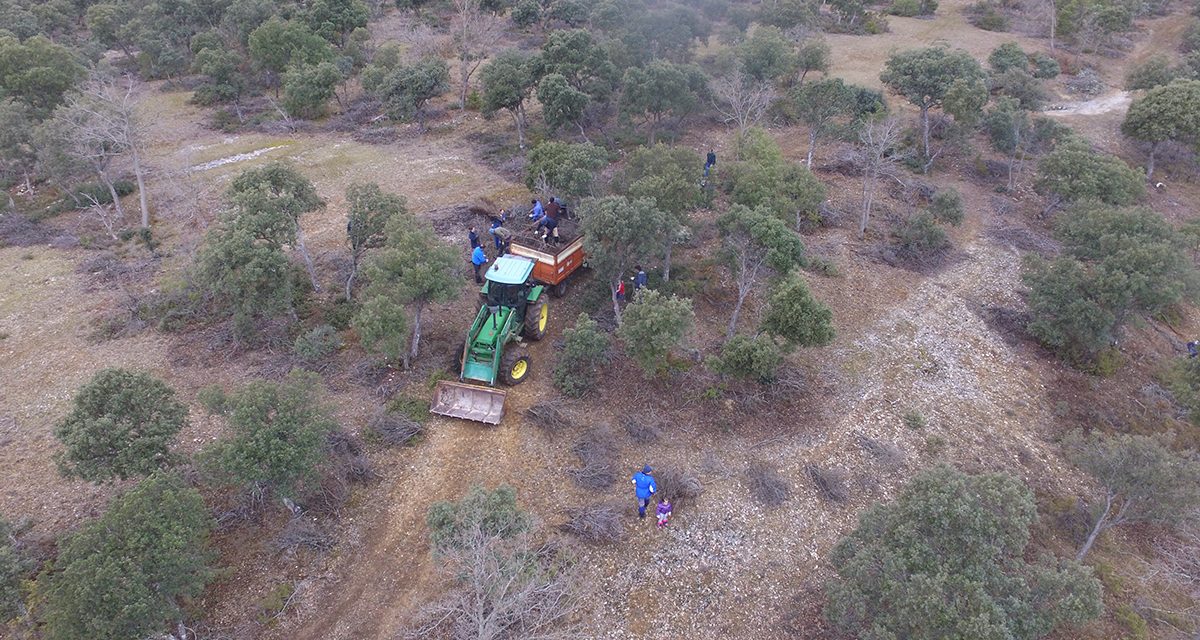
column 830, row 482
column 395, row 429
column 597, row 450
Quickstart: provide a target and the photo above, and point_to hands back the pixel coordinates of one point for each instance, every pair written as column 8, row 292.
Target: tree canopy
column 947, row 560
column 277, row 434
column 652, row 326
column 618, row 233
column 563, row 168
column 797, row 318
column 763, row 179
column 123, row 575
column 929, row 78
column 1166, row 113
column 1074, row 172
column 122, row 424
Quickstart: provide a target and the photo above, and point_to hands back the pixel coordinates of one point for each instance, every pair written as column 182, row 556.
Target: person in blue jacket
column 644, row 488
column 478, row 259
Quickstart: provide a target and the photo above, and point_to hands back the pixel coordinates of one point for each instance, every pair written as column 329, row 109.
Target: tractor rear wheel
column 514, row 366
column 537, row 318
column 559, row 290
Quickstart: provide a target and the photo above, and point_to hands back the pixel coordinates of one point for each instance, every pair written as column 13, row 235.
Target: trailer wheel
column 537, row 319
column 559, row 290
column 514, row 367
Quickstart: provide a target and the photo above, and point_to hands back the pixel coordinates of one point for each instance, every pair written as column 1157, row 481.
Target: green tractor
column 513, row 308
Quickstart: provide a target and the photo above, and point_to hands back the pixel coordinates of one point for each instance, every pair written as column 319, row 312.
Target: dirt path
column 1116, row 101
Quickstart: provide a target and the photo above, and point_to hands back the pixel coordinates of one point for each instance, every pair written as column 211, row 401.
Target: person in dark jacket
column 496, row 224
column 639, row 280
column 473, row 237
column 478, row 259
column 710, row 162
column 550, row 224
column 504, row 239
column 644, row 488
column 554, row 208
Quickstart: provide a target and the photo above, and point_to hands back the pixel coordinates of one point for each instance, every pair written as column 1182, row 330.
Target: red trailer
column 552, row 265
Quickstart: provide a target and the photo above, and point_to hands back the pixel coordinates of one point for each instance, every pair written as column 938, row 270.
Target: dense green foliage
column 934, row 78
column 755, row 244
column 755, row 358
column 659, row 91
column 308, row 88
column 618, row 233
column 563, row 168
column 763, row 179
column 368, row 210
column 415, row 268
column 508, row 80
column 946, row 206
column 37, row 73
column 652, row 326
column 583, row 351
column 1075, row 172
column 491, row 513
column 405, row 89
column 1118, row 262
column 797, row 318
column 13, row 569
column 947, row 560
column 277, row 431
column 122, row 424
column 1169, row 113
column 123, row 575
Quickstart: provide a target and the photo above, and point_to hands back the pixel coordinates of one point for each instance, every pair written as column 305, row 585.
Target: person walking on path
column 644, row 488
column 710, row 162
column 478, row 259
column 663, row 511
column 473, row 236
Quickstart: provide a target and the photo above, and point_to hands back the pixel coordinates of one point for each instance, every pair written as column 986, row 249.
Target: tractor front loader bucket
column 467, row 401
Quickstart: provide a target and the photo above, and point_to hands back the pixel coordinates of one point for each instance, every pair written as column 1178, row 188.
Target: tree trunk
column 666, row 275
column 350, row 278
column 416, row 335
column 464, row 80
column 737, row 311
column 866, row 206
column 925, row 134
column 308, row 263
column 517, row 115
column 582, row 133
column 1150, row 161
column 1101, row 525
column 812, row 145
column 112, row 191
column 612, row 289
column 141, row 185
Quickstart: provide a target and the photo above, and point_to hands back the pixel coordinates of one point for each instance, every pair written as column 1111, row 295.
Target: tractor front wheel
column 537, row 318
column 514, row 367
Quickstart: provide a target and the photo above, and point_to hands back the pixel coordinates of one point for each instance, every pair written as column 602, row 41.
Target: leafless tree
column 742, row 100
column 474, row 32
column 102, row 125
column 876, row 156
column 504, row 588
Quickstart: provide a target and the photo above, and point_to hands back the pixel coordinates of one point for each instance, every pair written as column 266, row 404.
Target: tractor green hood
column 510, row 270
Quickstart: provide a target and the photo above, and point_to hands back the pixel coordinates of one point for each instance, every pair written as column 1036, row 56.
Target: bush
column 905, row 8
column 1155, row 71
column 914, row 419
column 1007, row 56
column 1045, row 67
column 766, row 485
column 797, row 318
column 279, row 432
column 1191, row 37
column 317, row 343
column 985, row 16
column 125, row 574
column 946, row 207
column 122, row 424
column 830, row 482
column 14, row 569
column 652, row 326
column 949, row 546
column 212, row 398
column 527, row 13
column 490, row 513
column 584, row 351
column 1075, row 172
column 595, row 523
column 921, row 240
column 753, row 358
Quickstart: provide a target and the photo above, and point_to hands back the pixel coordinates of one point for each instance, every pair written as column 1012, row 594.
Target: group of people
column 644, row 488
column 544, row 219
column 640, row 279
